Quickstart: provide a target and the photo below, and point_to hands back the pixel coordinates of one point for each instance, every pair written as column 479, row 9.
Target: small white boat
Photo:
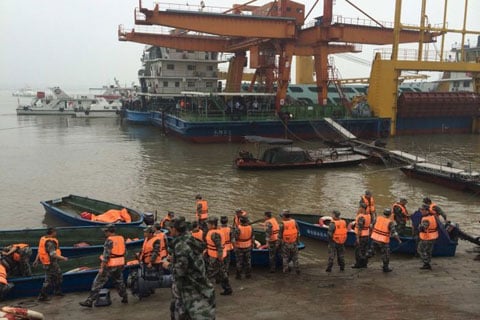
column 25, row 92
column 101, row 108
column 57, row 103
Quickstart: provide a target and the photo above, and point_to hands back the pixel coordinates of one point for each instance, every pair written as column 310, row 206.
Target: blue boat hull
column 443, row 247
column 138, row 117
column 260, row 257
column 234, row 131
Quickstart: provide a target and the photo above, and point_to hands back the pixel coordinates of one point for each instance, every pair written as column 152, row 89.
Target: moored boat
column 138, row 117
column 100, row 108
column 448, row 176
column 282, row 155
column 76, row 210
column 310, row 227
column 74, row 241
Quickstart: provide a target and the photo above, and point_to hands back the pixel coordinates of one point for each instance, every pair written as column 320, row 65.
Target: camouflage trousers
column 290, row 253
column 361, row 250
column 103, row 275
column 53, row 279
column 192, row 304
column 216, row 273
column 338, row 250
column 4, row 288
column 243, row 258
column 425, row 249
column 227, row 261
column 384, row 250
column 272, row 254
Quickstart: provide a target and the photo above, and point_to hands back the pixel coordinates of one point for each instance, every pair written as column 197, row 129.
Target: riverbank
column 449, row 291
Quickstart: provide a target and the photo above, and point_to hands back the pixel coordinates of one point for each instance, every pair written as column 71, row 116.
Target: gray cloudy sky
column 73, row 43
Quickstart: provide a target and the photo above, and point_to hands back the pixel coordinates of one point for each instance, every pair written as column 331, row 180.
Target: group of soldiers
column 199, row 254
column 373, row 233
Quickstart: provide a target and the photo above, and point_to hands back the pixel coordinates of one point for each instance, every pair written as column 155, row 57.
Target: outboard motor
column 148, row 218
column 144, row 281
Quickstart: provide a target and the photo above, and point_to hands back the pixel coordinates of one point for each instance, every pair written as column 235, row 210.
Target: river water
column 46, row 157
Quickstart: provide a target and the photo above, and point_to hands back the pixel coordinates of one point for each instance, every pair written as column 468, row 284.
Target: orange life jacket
column 3, row 275
column 370, row 204
column 432, row 232
column 112, row 216
column 228, row 242
column 340, row 234
column 244, row 237
column 147, row 249
column 117, row 256
column 198, row 234
column 275, row 228
column 365, row 232
column 164, row 220
column 203, row 214
column 290, row 232
column 42, row 251
column 211, row 248
column 381, row 232
column 236, row 219
column 404, row 212
column 16, row 255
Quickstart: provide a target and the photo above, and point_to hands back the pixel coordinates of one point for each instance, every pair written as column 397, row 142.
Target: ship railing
column 190, row 7
column 412, row 55
column 338, row 19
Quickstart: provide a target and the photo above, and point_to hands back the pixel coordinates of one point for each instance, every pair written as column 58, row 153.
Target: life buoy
column 257, row 244
column 22, row 313
column 323, row 221
column 334, row 155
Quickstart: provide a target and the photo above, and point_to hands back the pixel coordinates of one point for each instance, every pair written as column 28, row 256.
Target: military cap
column 336, row 213
column 198, row 196
column 179, row 223
column 387, row 212
column 213, row 220
column 368, row 193
column 427, row 200
column 149, row 229
column 268, row 214
column 243, row 219
column 109, row 228
column 285, row 213
column 403, row 200
column 51, row 230
column 238, row 210
column 223, row 219
column 171, row 213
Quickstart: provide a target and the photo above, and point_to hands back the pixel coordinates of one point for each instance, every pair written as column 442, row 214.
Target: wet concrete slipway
column 450, row 291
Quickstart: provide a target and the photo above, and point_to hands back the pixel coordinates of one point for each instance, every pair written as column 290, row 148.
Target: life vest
column 290, row 232
column 3, row 274
column 236, row 219
column 228, row 242
column 147, row 249
column 432, row 232
column 381, row 231
column 211, row 248
column 112, row 216
column 275, row 228
column 404, row 212
column 42, row 251
column 365, row 232
column 340, row 234
column 16, row 255
column 203, row 214
column 244, row 239
column 117, row 256
column 164, row 220
column 370, row 204
column 198, row 234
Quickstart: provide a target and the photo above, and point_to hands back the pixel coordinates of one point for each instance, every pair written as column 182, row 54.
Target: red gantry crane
column 273, row 30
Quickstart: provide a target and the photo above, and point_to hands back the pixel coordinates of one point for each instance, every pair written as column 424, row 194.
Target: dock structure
column 373, row 150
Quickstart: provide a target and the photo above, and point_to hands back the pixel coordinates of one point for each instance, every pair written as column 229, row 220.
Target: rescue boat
column 71, row 207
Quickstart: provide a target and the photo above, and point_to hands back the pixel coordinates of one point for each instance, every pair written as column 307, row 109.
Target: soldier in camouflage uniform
column 228, row 234
column 428, row 234
column 383, row 229
column 243, row 235
column 288, row 235
column 215, row 255
column 400, row 214
column 49, row 254
column 271, row 237
column 337, row 235
column 111, row 267
column 193, row 296
column 18, row 257
column 362, row 233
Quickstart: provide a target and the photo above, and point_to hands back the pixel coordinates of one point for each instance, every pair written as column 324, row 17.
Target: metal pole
column 442, row 46
column 422, row 30
column 464, row 30
column 396, row 29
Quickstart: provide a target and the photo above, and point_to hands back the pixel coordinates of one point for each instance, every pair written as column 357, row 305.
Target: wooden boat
column 280, row 154
column 448, row 176
column 260, row 257
column 78, row 275
column 74, row 241
column 309, row 227
column 70, row 208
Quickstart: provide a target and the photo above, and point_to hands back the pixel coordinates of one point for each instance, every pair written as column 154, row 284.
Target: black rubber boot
column 426, row 266
column 387, row 269
column 329, row 269
column 87, row 303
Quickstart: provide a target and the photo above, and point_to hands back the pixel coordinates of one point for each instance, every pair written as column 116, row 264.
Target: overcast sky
column 74, row 44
